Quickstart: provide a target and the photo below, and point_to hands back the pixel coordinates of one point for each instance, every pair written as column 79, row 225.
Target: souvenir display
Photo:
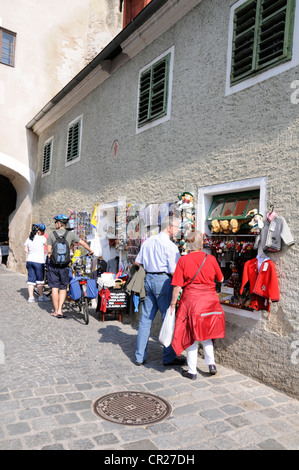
column 237, row 244
column 186, row 209
column 274, row 231
column 80, row 223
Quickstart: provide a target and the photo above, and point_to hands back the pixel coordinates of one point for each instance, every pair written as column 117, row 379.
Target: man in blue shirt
column 159, row 256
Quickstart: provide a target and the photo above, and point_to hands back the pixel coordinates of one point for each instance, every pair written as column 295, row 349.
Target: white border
column 165, row 118
column 205, row 197
column 246, row 83
column 51, row 139
column 79, row 118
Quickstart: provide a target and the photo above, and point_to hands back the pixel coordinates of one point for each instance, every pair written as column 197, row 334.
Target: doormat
column 132, row 408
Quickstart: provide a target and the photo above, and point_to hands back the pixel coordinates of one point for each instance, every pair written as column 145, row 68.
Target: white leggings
column 208, row 350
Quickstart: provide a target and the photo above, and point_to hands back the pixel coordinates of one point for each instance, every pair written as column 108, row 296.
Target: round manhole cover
column 132, row 408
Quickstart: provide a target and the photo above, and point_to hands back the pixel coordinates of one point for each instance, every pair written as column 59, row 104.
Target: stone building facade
column 214, row 137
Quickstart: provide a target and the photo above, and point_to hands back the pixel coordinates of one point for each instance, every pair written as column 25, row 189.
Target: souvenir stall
column 241, row 239
column 237, row 235
column 123, row 227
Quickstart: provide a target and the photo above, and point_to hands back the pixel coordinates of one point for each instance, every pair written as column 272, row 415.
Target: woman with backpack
column 59, row 243
column 34, row 247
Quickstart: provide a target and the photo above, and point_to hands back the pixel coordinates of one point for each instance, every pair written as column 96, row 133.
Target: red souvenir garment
column 105, row 296
column 263, row 283
column 200, row 315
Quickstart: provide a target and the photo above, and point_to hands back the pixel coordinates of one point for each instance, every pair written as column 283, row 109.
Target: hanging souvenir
column 185, row 206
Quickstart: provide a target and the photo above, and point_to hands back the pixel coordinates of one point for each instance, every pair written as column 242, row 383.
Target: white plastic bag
column 167, row 329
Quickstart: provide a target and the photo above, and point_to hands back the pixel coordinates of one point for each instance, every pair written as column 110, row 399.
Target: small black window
column 47, row 157
column 73, row 143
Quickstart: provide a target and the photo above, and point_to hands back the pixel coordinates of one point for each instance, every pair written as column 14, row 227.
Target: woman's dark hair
column 33, row 232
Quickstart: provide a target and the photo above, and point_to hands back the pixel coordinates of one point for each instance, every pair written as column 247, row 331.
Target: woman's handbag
column 167, row 329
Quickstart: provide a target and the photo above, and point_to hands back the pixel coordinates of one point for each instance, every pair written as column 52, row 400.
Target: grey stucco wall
column 210, row 139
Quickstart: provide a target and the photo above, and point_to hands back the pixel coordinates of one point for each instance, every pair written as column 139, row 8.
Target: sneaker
column 31, row 300
column 212, row 369
column 43, row 299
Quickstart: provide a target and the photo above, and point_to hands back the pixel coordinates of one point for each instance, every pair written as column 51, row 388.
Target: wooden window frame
column 73, row 149
column 47, row 157
column 253, row 23
column 11, row 54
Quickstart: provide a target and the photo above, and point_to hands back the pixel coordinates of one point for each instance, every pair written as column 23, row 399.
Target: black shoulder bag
column 196, row 272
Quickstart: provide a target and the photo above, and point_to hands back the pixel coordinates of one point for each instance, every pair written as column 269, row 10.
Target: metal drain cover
column 132, row 408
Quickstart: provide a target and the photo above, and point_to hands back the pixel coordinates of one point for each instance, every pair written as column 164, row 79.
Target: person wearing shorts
column 34, row 247
column 58, row 277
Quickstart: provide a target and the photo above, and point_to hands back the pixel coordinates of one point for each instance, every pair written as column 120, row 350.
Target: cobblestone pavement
column 52, row 370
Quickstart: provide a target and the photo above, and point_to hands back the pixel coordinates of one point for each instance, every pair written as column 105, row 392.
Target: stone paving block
column 144, row 444
column 67, row 418
column 218, row 427
column 18, row 428
column 83, row 444
column 231, row 409
column 212, row 414
column 106, row 439
column 37, row 440
column 224, row 443
column 238, row 421
column 271, row 444
column 52, row 409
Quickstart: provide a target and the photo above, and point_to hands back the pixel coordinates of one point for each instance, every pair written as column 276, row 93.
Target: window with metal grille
column 47, row 156
column 74, row 140
column 153, row 91
column 7, row 47
column 262, row 36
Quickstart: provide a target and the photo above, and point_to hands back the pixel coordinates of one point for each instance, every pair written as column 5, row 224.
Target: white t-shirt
column 36, row 249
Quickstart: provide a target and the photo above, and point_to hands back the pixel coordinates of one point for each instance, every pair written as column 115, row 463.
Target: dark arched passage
column 8, row 197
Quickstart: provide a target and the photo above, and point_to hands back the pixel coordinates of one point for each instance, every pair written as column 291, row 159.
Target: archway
column 8, row 198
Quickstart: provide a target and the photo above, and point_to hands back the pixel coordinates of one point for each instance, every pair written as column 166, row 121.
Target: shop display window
column 232, row 242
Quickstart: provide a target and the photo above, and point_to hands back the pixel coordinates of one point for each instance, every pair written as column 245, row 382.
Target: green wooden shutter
column 153, row 91
column 47, row 157
column 276, row 20
column 262, row 36
column 73, row 145
column 243, row 39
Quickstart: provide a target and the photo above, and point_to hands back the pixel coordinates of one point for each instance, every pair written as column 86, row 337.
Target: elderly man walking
column 158, row 256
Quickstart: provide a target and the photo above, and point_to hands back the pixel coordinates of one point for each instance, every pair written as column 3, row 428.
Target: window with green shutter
column 47, row 156
column 153, row 91
column 74, row 141
column 262, row 36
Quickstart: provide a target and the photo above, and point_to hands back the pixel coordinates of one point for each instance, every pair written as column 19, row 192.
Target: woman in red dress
column 200, row 316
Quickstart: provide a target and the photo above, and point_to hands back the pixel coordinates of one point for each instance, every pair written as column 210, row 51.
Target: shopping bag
column 167, row 329
column 91, row 289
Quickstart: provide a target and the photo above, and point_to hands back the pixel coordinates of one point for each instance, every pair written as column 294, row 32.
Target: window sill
column 254, row 314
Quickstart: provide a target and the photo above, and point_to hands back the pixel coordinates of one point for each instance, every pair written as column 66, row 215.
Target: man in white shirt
column 159, row 256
